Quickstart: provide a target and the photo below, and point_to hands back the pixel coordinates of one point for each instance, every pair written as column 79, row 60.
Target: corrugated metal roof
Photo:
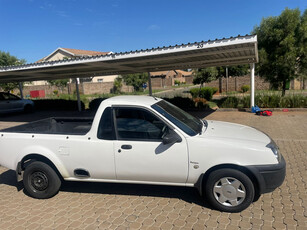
column 219, row 52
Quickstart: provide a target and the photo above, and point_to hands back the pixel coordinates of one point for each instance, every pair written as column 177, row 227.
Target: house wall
column 59, row 55
column 109, row 78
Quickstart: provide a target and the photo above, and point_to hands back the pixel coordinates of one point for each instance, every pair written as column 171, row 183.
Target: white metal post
column 78, row 94
column 252, row 69
column 226, row 78
column 149, row 84
column 20, row 89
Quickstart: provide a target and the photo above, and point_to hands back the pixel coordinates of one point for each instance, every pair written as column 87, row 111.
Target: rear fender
column 45, row 152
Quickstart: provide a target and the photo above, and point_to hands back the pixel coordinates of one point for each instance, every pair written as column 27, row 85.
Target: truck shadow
column 9, row 178
column 186, row 194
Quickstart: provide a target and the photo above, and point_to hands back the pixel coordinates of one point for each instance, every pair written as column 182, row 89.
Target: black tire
column 40, row 180
column 229, row 190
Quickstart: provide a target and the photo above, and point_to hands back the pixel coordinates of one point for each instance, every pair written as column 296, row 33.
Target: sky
column 32, row 29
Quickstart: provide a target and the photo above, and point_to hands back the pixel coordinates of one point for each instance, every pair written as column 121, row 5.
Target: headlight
column 274, row 149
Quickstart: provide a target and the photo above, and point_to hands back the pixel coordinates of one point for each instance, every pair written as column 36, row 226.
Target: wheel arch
column 203, row 178
column 36, row 157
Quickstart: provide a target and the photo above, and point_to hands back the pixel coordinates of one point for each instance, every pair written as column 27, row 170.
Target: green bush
column 177, row 82
column 265, row 101
column 57, row 104
column 245, row 88
column 206, row 92
column 94, row 104
column 194, row 92
column 215, row 90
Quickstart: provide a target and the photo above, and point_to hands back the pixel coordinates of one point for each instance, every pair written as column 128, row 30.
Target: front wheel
column 40, row 180
column 229, row 190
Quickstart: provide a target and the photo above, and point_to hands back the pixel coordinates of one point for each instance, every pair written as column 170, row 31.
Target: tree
column 7, row 60
column 60, row 83
column 205, row 75
column 282, row 47
column 118, row 83
column 136, row 80
column 302, row 44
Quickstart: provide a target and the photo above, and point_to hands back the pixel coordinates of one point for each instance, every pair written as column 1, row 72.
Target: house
column 162, row 79
column 66, row 53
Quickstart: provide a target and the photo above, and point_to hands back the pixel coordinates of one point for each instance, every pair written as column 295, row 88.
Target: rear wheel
column 40, row 180
column 229, row 190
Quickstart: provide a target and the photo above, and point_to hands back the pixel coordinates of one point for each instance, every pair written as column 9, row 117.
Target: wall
column 235, row 83
column 84, row 88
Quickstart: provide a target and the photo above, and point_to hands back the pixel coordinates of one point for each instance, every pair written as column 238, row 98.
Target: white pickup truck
column 142, row 139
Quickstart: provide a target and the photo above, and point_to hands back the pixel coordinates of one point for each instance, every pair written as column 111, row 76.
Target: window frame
column 170, row 127
column 114, row 137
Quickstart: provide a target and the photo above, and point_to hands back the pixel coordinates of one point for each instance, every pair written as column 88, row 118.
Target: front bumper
column 269, row 177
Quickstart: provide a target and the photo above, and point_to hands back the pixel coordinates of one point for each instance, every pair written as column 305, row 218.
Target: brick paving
column 122, row 206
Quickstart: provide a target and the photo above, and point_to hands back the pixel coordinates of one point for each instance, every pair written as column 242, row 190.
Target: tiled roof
column 170, row 72
column 75, row 52
column 85, row 52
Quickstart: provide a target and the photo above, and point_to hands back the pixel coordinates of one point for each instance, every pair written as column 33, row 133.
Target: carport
column 218, row 52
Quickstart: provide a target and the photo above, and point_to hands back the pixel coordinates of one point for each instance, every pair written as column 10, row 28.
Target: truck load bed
column 54, row 125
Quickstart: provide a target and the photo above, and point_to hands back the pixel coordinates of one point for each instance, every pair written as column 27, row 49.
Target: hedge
column 57, row 104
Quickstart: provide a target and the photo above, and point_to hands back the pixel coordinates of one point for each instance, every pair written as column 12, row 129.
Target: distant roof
column 76, row 53
column 218, row 52
column 172, row 72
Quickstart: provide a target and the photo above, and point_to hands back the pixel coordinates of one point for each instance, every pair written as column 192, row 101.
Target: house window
column 100, row 80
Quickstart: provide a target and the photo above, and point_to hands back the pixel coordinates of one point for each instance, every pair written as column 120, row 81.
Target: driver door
column 139, row 152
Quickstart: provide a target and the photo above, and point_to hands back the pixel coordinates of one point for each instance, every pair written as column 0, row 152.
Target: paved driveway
column 114, row 206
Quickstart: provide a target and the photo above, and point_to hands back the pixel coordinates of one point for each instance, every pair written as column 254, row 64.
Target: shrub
column 215, row 90
column 265, row 101
column 94, row 104
column 181, row 102
column 206, row 92
column 194, row 92
column 57, row 104
column 177, row 82
column 55, row 92
column 200, row 102
column 229, row 102
column 245, row 88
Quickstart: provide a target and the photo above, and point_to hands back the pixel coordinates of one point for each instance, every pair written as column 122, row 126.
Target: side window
column 106, row 129
column 138, row 124
column 1, row 97
column 12, row 97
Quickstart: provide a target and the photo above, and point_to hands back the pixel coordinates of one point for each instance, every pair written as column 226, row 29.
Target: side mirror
column 171, row 137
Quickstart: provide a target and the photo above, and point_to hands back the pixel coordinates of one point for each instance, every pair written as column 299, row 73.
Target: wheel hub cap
column 39, row 181
column 229, row 191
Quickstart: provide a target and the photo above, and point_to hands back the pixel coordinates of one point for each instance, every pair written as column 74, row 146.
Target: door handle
column 126, row 146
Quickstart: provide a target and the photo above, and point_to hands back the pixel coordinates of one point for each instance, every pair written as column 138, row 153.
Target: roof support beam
column 252, row 70
column 78, row 94
column 20, row 89
column 149, row 84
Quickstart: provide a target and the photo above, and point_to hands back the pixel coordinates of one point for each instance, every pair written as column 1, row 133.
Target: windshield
column 186, row 122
